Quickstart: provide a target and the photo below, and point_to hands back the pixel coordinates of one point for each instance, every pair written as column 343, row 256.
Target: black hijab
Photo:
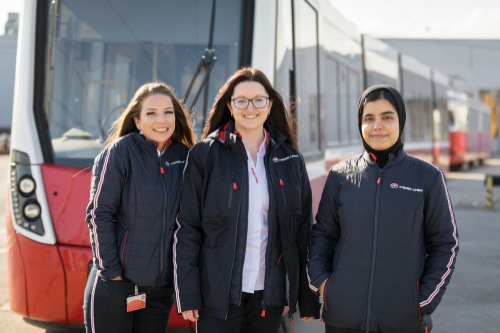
column 372, row 94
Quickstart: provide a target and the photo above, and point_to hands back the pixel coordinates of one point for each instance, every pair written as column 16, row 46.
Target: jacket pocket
column 214, row 229
column 288, row 193
column 325, row 304
column 124, row 246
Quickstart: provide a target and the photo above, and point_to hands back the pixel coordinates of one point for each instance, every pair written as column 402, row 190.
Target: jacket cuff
column 111, row 273
column 307, row 309
column 425, row 310
column 190, row 303
column 314, row 285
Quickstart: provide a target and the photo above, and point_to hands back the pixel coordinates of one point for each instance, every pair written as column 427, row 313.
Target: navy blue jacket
column 210, row 242
column 134, row 200
column 386, row 240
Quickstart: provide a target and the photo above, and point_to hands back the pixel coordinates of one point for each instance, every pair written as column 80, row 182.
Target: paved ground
column 471, row 303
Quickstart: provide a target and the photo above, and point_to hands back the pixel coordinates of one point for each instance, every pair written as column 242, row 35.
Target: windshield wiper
column 207, row 62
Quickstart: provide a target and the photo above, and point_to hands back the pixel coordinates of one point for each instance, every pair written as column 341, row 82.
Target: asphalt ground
column 472, row 301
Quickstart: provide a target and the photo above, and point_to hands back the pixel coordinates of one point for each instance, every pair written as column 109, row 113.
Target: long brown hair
column 125, row 124
column 279, row 117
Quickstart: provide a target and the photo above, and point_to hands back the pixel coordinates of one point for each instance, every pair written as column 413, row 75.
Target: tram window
column 472, row 121
column 417, row 100
column 354, row 93
column 331, row 102
column 99, row 52
column 307, row 77
column 485, row 123
column 284, row 51
column 344, row 104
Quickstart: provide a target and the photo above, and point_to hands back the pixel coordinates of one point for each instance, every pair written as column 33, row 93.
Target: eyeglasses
column 257, row 102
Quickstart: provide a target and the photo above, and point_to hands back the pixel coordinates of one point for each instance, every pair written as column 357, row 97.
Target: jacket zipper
column 324, row 291
column 282, row 184
column 374, row 252
column 165, row 196
column 234, row 187
column 123, row 250
column 278, row 219
column 263, row 303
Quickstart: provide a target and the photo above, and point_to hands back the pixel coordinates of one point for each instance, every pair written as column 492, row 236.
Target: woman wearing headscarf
column 385, row 241
column 244, row 225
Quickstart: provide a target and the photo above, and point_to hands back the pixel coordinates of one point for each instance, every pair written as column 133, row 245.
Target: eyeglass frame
column 250, row 100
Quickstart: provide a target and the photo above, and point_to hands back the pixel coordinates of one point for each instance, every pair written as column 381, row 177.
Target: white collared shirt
column 254, row 267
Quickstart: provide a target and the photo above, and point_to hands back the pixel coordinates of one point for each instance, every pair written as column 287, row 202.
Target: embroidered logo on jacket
column 276, row 160
column 173, row 163
column 406, row 188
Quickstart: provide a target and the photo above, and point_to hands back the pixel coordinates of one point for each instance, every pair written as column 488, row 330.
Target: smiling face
column 380, row 124
column 157, row 119
column 249, row 119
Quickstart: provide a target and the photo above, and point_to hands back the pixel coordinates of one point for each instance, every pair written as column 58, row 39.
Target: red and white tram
column 470, row 139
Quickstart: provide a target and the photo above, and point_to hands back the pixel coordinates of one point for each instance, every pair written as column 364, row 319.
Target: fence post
column 489, row 192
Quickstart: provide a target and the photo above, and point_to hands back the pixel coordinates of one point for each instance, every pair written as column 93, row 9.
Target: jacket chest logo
column 168, row 164
column 276, row 160
column 406, row 188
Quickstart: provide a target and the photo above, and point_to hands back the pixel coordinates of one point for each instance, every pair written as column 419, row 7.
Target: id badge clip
column 137, row 301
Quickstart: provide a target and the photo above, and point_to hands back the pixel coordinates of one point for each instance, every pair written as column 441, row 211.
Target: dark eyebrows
column 388, row 112
column 383, row 113
column 154, row 109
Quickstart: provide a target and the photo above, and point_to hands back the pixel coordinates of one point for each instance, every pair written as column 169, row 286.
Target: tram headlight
column 32, row 210
column 27, row 186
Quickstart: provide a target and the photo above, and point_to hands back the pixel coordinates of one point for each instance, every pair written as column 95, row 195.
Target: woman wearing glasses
column 245, row 218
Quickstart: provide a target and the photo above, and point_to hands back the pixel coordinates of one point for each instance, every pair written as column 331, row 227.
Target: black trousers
column 331, row 329
column 105, row 307
column 245, row 318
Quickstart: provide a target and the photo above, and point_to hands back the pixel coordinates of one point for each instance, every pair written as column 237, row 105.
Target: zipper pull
column 235, row 187
column 378, row 180
column 162, row 171
column 290, row 317
column 263, row 313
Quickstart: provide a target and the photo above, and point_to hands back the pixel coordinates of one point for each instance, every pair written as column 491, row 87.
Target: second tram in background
column 80, row 61
column 470, row 139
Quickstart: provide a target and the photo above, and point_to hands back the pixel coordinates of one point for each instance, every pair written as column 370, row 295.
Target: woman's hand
column 307, row 319
column 190, row 315
column 119, row 277
column 321, row 288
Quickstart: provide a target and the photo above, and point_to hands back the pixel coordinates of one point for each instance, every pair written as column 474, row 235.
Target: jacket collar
column 371, row 159
column 227, row 134
column 150, row 146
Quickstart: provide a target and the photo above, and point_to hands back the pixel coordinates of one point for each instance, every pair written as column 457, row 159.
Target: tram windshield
column 98, row 53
